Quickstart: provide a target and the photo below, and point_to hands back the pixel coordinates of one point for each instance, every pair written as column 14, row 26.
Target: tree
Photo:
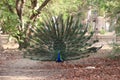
column 25, row 27
column 18, row 17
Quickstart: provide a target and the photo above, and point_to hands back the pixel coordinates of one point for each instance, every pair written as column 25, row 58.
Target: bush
column 115, row 51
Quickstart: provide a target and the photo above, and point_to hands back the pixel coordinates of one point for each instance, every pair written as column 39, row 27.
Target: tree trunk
column 26, row 30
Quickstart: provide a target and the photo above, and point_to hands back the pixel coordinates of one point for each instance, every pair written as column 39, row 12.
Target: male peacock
column 59, row 57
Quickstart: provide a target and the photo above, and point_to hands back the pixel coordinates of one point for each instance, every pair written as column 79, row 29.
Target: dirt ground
column 14, row 67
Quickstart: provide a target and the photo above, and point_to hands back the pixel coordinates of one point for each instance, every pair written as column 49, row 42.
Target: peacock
column 59, row 57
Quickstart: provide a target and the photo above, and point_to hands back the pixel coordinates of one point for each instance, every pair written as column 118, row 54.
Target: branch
column 19, row 8
column 34, row 15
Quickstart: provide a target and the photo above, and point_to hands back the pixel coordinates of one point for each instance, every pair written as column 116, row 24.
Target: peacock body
column 59, row 57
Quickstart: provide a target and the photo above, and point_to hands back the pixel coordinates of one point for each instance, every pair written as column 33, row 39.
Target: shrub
column 115, row 51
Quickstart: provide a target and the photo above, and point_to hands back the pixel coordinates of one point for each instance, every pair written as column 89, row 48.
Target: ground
column 98, row 67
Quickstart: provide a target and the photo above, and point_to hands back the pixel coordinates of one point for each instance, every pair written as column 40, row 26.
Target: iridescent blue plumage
column 59, row 59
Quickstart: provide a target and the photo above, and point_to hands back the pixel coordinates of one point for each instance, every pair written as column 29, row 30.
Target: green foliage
column 66, row 7
column 113, row 11
column 115, row 51
column 9, row 23
column 56, row 34
column 102, row 31
column 8, row 19
column 116, row 48
column 117, row 30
